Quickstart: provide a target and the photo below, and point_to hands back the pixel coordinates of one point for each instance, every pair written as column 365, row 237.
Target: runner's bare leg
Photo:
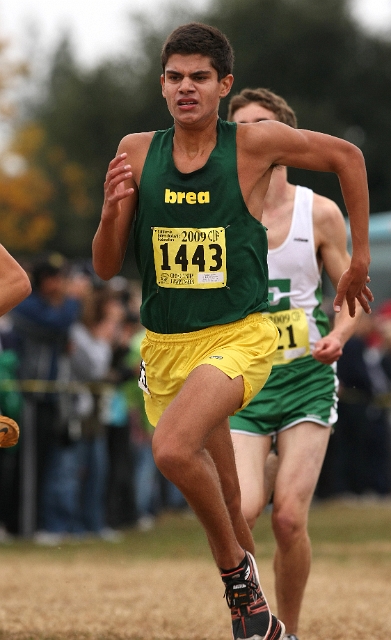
column 180, row 446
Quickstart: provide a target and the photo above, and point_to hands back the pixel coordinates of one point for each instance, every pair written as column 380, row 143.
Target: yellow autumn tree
column 34, row 174
column 26, row 222
column 25, row 219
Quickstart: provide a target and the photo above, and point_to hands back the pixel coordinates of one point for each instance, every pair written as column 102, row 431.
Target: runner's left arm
column 330, row 236
column 283, row 145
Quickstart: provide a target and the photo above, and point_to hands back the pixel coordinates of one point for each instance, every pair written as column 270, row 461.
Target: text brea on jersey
column 190, row 197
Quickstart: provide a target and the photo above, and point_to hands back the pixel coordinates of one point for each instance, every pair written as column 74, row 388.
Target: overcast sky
column 99, row 27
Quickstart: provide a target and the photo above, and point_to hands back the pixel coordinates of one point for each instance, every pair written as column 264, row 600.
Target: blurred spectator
column 383, row 327
column 41, row 328
column 358, row 459
column 80, row 281
column 145, row 474
column 75, row 493
column 91, row 355
column 121, row 509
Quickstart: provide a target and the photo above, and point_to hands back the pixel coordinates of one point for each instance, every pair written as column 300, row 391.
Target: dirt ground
column 116, row 599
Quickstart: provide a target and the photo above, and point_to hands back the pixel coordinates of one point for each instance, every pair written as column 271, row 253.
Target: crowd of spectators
column 69, row 365
column 84, row 465
column 358, row 459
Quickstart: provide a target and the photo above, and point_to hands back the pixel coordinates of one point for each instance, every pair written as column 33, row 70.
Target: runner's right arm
column 119, row 205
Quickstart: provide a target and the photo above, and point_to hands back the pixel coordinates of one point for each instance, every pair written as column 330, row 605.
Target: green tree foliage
column 336, row 77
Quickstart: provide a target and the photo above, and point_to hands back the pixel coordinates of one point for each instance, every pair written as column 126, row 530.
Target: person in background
column 297, row 406
column 92, row 342
column 121, row 508
column 383, row 449
column 361, row 455
column 41, row 325
column 382, row 324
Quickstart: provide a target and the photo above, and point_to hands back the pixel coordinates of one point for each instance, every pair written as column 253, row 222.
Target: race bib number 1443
column 190, row 258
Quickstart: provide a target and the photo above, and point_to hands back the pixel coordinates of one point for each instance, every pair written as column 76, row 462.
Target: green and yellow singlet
column 200, row 253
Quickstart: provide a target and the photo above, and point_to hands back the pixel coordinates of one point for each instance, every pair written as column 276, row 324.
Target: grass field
column 162, row 585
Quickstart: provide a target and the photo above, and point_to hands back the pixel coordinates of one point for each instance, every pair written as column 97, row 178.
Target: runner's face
column 253, row 112
column 191, row 88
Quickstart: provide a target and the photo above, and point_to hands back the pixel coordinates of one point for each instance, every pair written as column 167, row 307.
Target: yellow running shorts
column 242, row 348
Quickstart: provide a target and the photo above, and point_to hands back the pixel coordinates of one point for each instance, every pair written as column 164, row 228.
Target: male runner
column 196, row 193
column 298, row 403
column 15, row 287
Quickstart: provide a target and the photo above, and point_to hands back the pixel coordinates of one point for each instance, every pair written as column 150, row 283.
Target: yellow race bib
column 294, row 341
column 187, row 258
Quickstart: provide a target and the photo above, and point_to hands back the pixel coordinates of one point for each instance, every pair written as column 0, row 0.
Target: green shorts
column 302, row 391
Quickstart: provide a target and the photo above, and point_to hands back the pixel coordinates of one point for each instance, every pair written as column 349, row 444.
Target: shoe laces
column 239, row 592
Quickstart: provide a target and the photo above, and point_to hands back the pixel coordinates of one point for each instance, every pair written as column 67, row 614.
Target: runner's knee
column 171, row 456
column 251, row 510
column 288, row 524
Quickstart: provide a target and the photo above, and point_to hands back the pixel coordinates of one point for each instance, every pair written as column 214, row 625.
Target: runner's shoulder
column 136, row 146
column 134, row 142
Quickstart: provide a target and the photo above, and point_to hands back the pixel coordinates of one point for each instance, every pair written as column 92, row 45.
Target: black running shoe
column 250, row 613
